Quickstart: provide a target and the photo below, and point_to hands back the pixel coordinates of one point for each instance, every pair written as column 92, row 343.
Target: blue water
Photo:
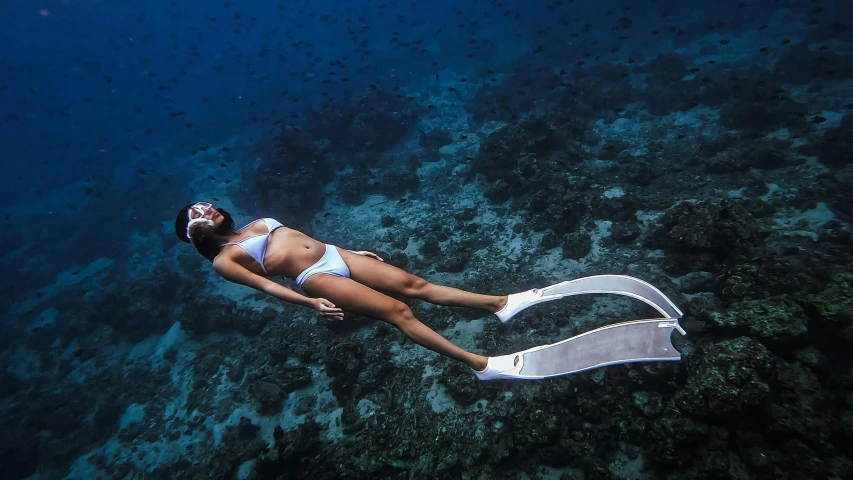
column 489, row 146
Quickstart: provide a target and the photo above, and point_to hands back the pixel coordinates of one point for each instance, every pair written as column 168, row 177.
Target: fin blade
column 619, row 285
column 627, row 342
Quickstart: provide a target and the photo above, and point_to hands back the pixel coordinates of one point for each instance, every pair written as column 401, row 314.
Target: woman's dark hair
column 205, row 245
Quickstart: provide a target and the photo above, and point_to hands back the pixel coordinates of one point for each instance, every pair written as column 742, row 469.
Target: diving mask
column 196, row 215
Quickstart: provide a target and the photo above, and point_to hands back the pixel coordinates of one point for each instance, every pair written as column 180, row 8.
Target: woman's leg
column 441, row 295
column 354, row 297
column 388, row 278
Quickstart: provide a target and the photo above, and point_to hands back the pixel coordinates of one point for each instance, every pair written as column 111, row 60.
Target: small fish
column 402, row 201
column 817, row 119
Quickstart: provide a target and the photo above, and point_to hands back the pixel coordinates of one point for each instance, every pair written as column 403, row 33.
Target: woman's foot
column 503, row 367
column 479, row 363
column 500, row 304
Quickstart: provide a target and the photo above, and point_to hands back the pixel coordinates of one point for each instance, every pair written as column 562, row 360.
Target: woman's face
column 209, row 213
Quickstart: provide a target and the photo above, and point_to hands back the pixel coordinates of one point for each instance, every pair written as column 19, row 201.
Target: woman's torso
column 288, row 251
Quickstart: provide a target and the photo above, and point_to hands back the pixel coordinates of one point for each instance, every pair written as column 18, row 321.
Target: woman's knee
column 398, row 313
column 414, row 286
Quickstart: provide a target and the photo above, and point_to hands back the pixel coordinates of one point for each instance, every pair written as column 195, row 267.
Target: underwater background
column 494, row 146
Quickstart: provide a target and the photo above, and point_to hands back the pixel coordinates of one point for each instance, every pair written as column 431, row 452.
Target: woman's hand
column 327, row 309
column 368, row 254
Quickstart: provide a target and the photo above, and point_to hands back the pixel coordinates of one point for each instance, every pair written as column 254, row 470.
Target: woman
column 337, row 279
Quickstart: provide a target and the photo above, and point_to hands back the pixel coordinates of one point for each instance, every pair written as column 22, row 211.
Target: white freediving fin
column 616, row 284
column 635, row 341
column 626, row 342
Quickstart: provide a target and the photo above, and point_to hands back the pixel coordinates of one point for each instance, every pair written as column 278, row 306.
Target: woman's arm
column 234, row 272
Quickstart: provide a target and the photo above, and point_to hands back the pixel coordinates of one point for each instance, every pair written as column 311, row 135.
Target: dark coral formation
column 299, row 162
column 527, row 162
column 760, row 109
column 729, row 377
column 800, row 65
column 430, row 142
column 776, row 321
column 292, row 172
column 376, row 121
column 705, row 236
column 835, row 149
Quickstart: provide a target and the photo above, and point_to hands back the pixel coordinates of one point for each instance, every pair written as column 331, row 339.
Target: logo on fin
column 515, row 362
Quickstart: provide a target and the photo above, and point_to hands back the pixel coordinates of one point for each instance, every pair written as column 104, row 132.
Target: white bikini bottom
column 331, row 263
